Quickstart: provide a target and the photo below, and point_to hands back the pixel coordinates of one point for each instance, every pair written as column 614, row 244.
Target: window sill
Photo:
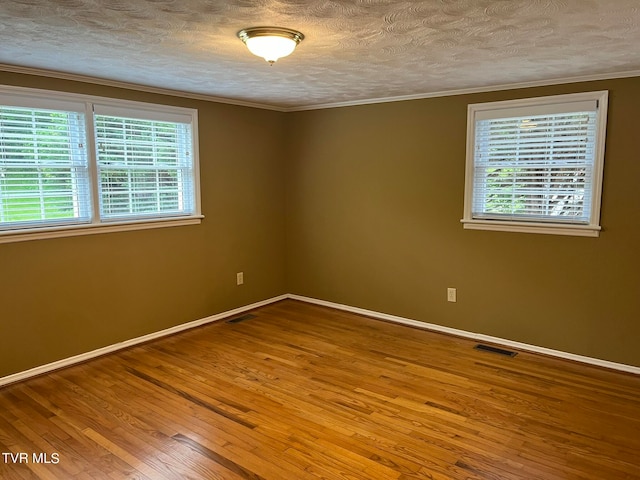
column 526, row 227
column 91, row 229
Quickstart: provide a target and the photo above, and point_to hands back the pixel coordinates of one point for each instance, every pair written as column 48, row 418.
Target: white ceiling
column 354, row 51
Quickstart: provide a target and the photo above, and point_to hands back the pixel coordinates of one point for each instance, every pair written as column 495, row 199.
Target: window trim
column 45, row 99
column 593, row 228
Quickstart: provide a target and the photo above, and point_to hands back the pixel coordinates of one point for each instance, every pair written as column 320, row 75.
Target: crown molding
column 321, row 106
column 134, row 86
column 467, row 91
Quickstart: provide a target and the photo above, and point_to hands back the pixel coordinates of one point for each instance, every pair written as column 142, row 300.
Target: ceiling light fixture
column 270, row 43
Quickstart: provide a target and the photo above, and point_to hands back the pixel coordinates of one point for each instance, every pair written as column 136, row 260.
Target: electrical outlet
column 452, row 295
column 239, row 278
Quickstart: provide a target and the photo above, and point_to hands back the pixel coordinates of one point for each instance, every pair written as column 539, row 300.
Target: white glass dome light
column 270, row 43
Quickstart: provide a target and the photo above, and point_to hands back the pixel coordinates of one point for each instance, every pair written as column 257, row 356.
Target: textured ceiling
column 353, row 51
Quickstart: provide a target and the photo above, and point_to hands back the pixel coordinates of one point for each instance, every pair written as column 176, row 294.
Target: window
column 536, row 165
column 44, row 177
column 144, row 165
column 72, row 164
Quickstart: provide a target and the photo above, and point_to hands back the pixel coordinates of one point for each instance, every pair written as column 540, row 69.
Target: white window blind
column 535, row 168
column 76, row 164
column 145, row 167
column 536, row 163
column 44, row 176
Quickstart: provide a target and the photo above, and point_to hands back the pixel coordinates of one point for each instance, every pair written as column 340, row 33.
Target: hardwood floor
column 302, row 391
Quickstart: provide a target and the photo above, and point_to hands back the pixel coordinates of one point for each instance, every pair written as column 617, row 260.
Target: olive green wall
column 66, row 296
column 357, row 205
column 374, row 202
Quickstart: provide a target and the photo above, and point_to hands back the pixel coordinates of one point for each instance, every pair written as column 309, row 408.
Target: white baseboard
column 475, row 336
column 66, row 362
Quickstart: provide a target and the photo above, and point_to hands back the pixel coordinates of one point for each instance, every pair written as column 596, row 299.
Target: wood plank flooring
column 306, row 392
